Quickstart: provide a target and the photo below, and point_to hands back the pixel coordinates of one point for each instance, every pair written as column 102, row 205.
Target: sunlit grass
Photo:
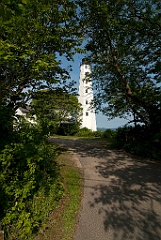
column 73, row 185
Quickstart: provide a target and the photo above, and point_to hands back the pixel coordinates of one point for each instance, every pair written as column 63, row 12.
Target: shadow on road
column 131, row 200
column 129, row 196
column 83, row 147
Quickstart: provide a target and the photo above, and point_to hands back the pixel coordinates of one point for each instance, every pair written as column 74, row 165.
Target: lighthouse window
column 86, row 73
column 86, row 101
column 86, row 66
column 87, row 90
column 86, row 113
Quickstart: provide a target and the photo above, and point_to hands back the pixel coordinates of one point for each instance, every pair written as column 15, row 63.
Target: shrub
column 97, row 134
column 85, row 132
column 68, row 129
column 108, row 133
column 30, row 184
column 156, row 146
column 139, row 140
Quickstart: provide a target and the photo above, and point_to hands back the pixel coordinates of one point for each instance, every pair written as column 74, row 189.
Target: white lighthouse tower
column 85, row 97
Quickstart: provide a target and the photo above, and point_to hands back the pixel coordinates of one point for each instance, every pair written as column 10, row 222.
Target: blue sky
column 102, row 121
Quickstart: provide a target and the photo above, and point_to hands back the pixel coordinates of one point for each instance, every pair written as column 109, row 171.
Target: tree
column 33, row 34
column 55, row 107
column 124, row 45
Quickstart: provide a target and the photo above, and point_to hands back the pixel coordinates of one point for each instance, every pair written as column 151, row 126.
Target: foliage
column 30, row 184
column 32, row 36
column 6, row 125
column 109, row 133
column 139, row 140
column 124, row 45
column 85, row 132
column 67, row 129
column 97, row 133
column 58, row 110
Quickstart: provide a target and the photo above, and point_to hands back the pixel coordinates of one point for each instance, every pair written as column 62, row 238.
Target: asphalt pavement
column 122, row 193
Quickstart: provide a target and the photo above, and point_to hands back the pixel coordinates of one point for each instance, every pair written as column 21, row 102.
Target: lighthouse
column 85, row 96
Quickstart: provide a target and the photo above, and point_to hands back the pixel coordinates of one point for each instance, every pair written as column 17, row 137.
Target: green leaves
column 25, row 1
column 123, row 43
column 53, row 107
column 32, row 35
column 31, row 38
column 30, row 184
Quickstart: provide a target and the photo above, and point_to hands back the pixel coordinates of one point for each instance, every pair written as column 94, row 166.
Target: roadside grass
column 63, row 219
column 73, row 185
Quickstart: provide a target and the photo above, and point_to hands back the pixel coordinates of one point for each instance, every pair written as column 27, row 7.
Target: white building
column 24, row 112
column 86, row 96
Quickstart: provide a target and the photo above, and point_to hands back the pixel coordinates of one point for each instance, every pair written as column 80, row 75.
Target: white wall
column 85, row 98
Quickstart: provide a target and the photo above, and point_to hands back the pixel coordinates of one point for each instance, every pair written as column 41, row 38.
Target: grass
column 73, row 184
column 81, row 138
column 63, row 219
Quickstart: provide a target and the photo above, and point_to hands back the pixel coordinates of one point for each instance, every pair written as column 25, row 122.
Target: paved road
column 122, row 194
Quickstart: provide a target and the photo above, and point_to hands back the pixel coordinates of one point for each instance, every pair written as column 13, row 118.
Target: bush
column 85, row 132
column 109, row 133
column 156, row 146
column 68, row 129
column 139, row 140
column 97, row 134
column 30, row 184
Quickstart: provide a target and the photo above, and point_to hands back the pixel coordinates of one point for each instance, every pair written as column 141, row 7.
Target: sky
column 101, row 119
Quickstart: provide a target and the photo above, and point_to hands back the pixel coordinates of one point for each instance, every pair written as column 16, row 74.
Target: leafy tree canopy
column 124, row 45
column 33, row 34
column 55, row 107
